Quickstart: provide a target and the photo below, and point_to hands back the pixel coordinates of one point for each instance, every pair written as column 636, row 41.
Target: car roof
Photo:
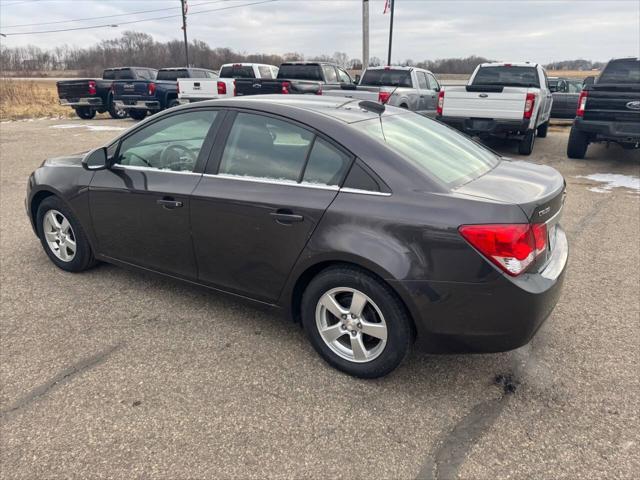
column 338, row 108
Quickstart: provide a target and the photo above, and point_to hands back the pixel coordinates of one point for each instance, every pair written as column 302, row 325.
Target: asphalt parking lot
column 117, row 374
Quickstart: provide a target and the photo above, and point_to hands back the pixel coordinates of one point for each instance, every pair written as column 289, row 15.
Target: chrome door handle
column 286, row 217
column 169, row 203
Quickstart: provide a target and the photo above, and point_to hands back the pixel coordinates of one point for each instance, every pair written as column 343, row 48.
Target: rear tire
column 577, row 145
column 63, row 237
column 116, row 113
column 137, row 114
column 85, row 113
column 173, row 103
column 542, row 129
column 381, row 314
column 525, row 147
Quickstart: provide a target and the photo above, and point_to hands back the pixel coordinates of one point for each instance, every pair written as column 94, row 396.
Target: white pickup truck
column 406, row 87
column 197, row 89
column 501, row 99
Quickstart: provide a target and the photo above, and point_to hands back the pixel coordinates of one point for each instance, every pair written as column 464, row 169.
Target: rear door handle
column 285, row 216
column 169, row 203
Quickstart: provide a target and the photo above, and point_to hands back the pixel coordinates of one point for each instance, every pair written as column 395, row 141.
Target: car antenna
column 376, row 107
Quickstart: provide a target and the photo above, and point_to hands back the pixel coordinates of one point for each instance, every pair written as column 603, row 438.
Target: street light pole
column 365, row 34
column 184, row 30
column 393, row 6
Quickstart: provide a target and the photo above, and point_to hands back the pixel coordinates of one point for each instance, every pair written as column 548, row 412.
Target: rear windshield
column 300, row 72
column 237, row 71
column 507, row 76
column 432, row 147
column 126, row 74
column 172, row 74
column 386, row 78
column 621, row 71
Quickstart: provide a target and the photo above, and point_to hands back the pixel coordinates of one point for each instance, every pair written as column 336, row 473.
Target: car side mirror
column 96, row 159
column 589, row 81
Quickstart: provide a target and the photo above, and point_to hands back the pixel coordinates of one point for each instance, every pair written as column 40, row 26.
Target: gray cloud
column 425, row 29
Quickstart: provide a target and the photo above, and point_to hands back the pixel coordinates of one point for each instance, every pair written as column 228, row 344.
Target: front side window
column 433, row 148
column 344, row 76
column 172, row 143
column 263, row 147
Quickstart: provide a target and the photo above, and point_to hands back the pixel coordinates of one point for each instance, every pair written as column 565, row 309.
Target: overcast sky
column 541, row 31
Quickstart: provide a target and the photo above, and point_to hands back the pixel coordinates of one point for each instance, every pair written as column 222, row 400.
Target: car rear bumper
column 81, row 102
column 485, row 317
column 486, row 126
column 137, row 104
column 185, row 101
column 624, row 132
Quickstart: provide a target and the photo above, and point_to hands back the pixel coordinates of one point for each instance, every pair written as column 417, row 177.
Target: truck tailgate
column 198, row 88
column 507, row 105
column 73, row 89
column 125, row 89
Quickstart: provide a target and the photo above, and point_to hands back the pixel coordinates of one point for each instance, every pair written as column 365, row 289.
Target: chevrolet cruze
column 374, row 227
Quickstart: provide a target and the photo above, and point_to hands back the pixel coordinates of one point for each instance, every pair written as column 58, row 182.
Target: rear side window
column 265, row 72
column 264, row 147
column 386, row 78
column 300, row 72
column 330, row 75
column 507, row 76
column 433, row 148
column 621, row 71
column 327, row 165
column 172, row 74
column 237, row 71
column 433, row 83
column 422, row 81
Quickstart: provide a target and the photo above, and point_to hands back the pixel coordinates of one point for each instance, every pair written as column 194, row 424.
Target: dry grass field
column 30, row 99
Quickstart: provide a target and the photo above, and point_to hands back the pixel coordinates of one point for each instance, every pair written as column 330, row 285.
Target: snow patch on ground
column 93, row 128
column 611, row 181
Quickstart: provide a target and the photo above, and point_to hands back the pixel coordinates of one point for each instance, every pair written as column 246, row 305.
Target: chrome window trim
column 364, row 192
column 273, row 181
column 151, row 169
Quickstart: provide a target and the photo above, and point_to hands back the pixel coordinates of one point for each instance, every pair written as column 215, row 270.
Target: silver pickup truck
column 406, row 87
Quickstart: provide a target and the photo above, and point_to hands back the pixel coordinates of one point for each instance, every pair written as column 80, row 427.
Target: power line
column 137, row 21
column 107, row 16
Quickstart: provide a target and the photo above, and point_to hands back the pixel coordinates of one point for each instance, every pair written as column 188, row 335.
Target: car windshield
column 507, row 76
column 237, row 71
column 172, row 74
column 386, row 78
column 432, row 147
column 621, row 71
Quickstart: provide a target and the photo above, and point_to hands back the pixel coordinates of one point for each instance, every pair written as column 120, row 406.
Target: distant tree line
column 140, row 49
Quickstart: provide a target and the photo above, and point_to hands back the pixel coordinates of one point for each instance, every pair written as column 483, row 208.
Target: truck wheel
column 117, row 113
column 526, row 144
column 578, row 143
column 173, row 103
column 85, row 113
column 542, row 129
column 137, row 114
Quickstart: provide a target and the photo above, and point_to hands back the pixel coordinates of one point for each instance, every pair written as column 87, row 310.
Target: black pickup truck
column 90, row 95
column 296, row 78
column 140, row 97
column 608, row 109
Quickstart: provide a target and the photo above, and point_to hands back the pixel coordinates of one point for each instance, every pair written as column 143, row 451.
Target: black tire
column 578, row 143
column 542, row 129
column 398, row 324
column 525, row 147
column 85, row 113
column 137, row 114
column 405, row 106
column 173, row 103
column 83, row 257
column 115, row 113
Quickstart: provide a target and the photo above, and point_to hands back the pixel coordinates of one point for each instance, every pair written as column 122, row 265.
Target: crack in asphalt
column 61, row 378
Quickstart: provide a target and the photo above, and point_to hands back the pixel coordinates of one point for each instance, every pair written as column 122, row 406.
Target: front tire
column 525, row 147
column 542, row 129
column 85, row 113
column 577, row 145
column 356, row 322
column 63, row 237
column 137, row 114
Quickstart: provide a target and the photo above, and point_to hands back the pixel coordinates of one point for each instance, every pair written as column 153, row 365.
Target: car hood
column 74, row 160
column 537, row 189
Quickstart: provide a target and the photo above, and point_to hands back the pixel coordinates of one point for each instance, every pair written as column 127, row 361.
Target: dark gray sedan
column 374, row 227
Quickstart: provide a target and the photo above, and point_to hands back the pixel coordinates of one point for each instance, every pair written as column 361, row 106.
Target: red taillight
column 178, row 88
column 440, row 106
column 582, row 102
column 92, row 87
column 285, row 88
column 528, row 105
column 152, row 89
column 510, row 247
column 234, row 89
column 319, row 92
column 383, row 97
column 222, row 88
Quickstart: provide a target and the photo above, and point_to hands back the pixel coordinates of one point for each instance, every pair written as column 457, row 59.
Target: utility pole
column 184, row 29
column 365, row 34
column 393, row 6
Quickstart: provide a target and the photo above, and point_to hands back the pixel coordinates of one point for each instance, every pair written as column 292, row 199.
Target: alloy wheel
column 59, row 235
column 351, row 324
